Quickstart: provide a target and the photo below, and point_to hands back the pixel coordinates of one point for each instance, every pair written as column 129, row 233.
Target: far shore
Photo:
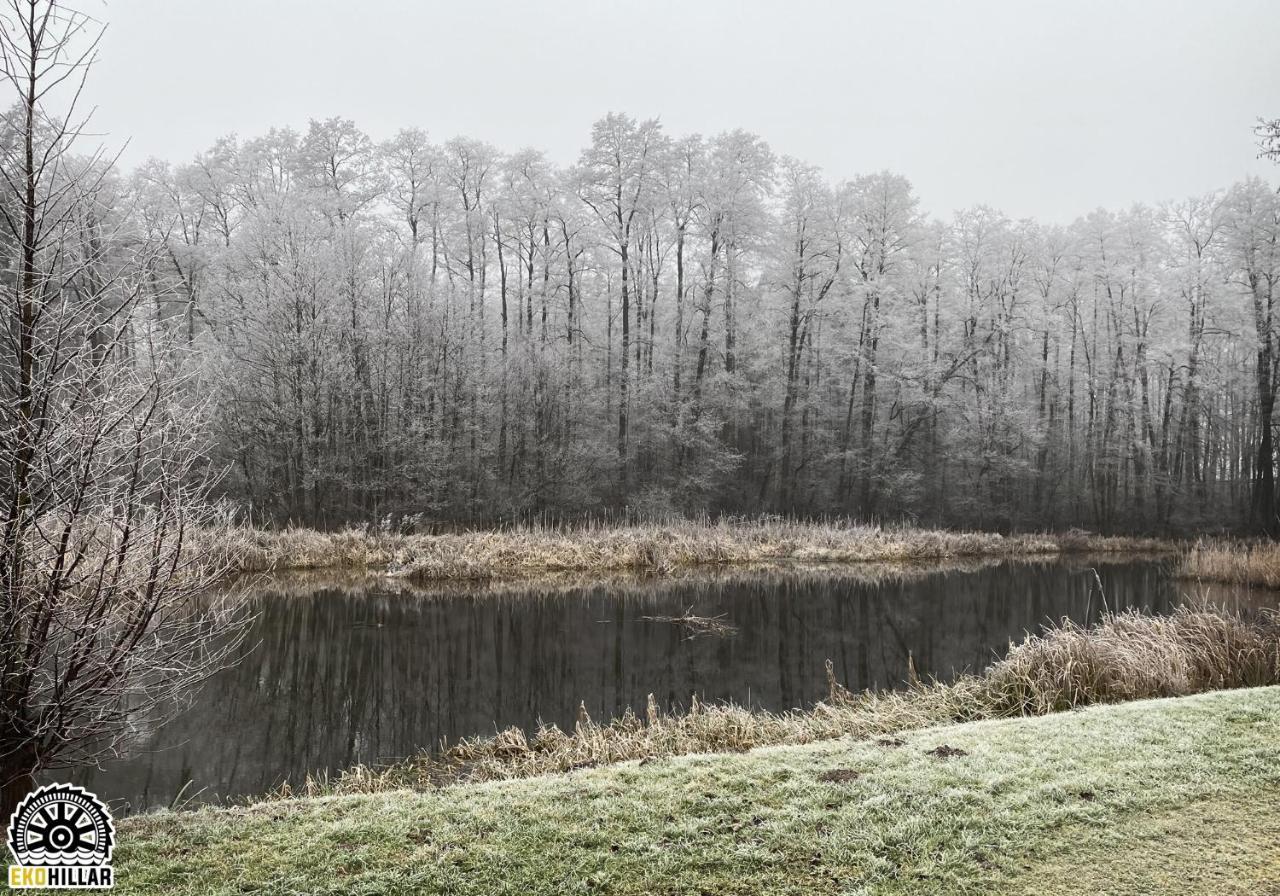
column 652, row 549
column 359, row 580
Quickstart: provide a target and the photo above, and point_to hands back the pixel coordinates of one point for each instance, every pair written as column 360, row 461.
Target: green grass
column 1165, row 796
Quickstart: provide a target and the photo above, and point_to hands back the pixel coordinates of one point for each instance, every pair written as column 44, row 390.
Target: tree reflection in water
column 359, row 671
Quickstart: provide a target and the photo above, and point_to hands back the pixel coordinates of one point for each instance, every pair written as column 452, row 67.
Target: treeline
column 417, row 331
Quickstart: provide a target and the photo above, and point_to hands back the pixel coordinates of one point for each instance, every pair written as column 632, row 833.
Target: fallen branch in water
column 698, row 625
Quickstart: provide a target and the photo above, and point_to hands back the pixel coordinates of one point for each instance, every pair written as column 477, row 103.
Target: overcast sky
column 1041, row 109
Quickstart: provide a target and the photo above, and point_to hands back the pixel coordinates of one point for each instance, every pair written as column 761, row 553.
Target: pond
column 339, row 672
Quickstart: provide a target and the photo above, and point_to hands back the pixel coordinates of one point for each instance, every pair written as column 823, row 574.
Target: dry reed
column 1233, row 562
column 651, row 548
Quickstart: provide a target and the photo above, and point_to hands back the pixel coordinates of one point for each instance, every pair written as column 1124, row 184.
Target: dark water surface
column 341, row 674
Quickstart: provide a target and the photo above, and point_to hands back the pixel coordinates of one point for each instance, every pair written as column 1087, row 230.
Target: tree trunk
column 679, row 335
column 624, row 373
column 1264, row 484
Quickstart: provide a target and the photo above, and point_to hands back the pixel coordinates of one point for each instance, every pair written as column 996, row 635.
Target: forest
column 415, row 333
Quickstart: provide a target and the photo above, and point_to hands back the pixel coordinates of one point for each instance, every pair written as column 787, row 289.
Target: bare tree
column 102, row 472
column 616, row 178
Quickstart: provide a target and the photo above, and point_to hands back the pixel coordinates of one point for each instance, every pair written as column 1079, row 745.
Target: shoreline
column 355, row 580
column 654, row 549
column 1125, row 657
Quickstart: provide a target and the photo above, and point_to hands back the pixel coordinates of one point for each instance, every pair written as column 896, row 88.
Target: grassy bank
column 1170, row 796
column 1255, row 564
column 1127, row 656
column 653, row 548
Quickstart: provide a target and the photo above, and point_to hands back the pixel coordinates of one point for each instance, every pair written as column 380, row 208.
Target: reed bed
column 1233, row 562
column 1127, row 656
column 358, row 582
column 651, row 548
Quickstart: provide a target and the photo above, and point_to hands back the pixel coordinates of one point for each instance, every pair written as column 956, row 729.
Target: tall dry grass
column 1134, row 656
column 357, row 581
column 1233, row 562
column 1127, row 656
column 653, row 548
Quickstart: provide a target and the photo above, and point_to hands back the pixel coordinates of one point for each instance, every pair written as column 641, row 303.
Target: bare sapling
column 103, row 471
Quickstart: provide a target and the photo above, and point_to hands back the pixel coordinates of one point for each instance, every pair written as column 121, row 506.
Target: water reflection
column 358, row 674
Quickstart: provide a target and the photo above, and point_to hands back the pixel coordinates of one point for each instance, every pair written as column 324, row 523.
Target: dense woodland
column 417, row 332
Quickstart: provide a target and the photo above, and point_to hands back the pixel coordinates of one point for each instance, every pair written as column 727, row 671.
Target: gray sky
column 1040, row 109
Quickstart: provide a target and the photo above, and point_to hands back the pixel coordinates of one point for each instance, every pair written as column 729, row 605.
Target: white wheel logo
column 64, row 831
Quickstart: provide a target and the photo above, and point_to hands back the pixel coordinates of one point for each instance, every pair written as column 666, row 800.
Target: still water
column 338, row 673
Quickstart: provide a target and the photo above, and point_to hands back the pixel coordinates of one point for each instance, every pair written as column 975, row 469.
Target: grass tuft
column 1135, row 656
